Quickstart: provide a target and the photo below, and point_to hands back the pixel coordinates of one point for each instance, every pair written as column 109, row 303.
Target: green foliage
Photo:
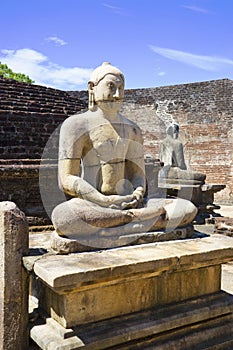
column 6, row 72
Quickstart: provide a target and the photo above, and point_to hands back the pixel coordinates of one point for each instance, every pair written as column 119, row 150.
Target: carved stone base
column 157, row 294
column 64, row 245
column 200, row 323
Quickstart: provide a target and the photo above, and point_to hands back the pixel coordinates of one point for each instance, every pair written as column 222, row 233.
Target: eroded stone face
column 110, row 89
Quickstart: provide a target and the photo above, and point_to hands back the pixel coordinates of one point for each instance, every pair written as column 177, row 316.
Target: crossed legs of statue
column 78, row 218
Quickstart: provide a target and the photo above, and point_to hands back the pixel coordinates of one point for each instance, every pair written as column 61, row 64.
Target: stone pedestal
column 122, row 296
column 64, row 245
column 202, row 195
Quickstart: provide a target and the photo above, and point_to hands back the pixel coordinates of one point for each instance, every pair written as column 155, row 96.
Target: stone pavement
column 225, row 210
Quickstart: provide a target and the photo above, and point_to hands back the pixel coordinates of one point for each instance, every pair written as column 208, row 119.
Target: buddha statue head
column 106, row 85
column 173, row 130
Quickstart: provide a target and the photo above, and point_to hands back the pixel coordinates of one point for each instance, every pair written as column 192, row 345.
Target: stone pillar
column 13, row 278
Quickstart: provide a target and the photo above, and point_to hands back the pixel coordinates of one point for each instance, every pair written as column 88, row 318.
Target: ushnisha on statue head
column 106, row 84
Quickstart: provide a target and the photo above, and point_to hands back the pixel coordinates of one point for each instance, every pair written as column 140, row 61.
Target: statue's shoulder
column 132, row 125
column 78, row 120
column 73, row 128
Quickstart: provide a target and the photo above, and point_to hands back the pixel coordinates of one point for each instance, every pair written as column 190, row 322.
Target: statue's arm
column 73, row 138
column 135, row 164
column 180, row 158
column 75, row 185
column 161, row 152
column 69, row 181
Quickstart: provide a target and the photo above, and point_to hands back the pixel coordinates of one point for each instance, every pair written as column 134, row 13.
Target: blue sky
column 154, row 42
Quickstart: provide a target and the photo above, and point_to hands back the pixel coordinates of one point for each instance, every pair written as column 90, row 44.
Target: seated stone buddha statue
column 101, row 166
column 171, row 153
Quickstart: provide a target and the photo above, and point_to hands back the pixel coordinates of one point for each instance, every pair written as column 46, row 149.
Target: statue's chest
column 108, row 143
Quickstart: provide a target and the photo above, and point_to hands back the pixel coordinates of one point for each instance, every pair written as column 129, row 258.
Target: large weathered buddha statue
column 171, row 153
column 101, row 165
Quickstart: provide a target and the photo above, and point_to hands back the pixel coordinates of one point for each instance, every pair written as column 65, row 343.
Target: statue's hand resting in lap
column 122, row 202
column 131, row 201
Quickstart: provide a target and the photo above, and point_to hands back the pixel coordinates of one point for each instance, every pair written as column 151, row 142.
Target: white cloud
column 208, row 63
column 196, row 9
column 161, row 74
column 24, row 54
column 115, row 9
column 38, row 67
column 57, row 41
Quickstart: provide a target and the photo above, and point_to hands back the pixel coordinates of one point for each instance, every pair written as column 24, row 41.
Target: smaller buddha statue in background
column 171, row 153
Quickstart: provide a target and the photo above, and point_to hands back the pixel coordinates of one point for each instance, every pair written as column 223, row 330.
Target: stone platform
column 158, row 293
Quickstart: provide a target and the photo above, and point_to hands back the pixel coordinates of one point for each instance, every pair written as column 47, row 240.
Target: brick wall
column 29, row 114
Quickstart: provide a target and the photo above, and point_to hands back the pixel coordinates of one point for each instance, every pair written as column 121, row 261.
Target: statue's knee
column 61, row 215
column 180, row 212
column 191, row 209
column 57, row 215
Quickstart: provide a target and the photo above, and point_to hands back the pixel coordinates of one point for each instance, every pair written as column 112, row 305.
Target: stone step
column 200, row 323
column 215, row 334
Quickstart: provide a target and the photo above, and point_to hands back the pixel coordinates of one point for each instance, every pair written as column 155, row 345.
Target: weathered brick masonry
column 29, row 114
